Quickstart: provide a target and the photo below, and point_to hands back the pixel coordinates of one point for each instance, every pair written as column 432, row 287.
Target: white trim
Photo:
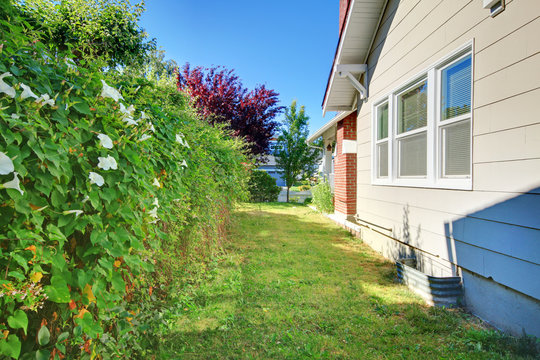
column 434, row 172
column 338, row 55
column 348, row 146
column 340, row 116
column 337, row 58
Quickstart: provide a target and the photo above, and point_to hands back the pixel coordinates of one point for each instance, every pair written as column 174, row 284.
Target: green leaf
column 11, row 346
column 118, row 283
column 57, row 198
column 44, row 336
column 58, row 262
column 21, row 261
column 43, row 355
column 58, row 290
column 63, row 220
column 17, row 275
column 108, row 194
column 63, row 336
column 82, row 107
column 19, row 320
column 15, row 70
column 90, row 327
column 55, row 234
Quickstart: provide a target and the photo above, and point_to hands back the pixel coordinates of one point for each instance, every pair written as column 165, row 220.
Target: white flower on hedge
column 107, row 163
column 5, row 88
column 6, row 165
column 13, row 184
column 95, row 178
column 15, row 116
column 180, row 139
column 27, row 92
column 45, row 99
column 86, row 198
column 156, row 202
column 110, row 92
column 76, row 212
column 105, row 141
column 184, row 163
column 153, row 213
column 156, row 183
column 152, row 128
column 145, row 137
column 129, row 120
column 143, row 115
column 127, row 111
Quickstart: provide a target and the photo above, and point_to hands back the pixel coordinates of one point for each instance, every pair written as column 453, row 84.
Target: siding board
column 507, row 82
column 520, row 143
column 516, row 111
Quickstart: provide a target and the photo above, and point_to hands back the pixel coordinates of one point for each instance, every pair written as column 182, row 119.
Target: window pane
column 413, row 155
column 457, row 148
column 382, row 121
column 412, row 108
column 456, row 89
column 382, row 159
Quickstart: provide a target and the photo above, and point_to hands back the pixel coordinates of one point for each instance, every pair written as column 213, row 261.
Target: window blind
column 413, row 155
column 456, row 89
column 382, row 159
column 382, row 121
column 457, row 148
column 412, row 108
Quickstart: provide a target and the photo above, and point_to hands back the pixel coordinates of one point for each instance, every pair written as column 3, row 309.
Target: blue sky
column 287, row 45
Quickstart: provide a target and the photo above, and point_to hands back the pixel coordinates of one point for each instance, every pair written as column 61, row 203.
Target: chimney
column 343, row 7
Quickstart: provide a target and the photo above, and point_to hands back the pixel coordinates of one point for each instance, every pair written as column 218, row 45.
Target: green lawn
column 292, row 285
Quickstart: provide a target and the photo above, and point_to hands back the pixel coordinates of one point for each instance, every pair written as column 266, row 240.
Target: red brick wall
column 345, row 169
column 343, row 5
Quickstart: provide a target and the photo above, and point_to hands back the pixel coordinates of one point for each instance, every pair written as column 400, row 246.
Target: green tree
column 293, row 155
column 155, row 68
column 262, row 187
column 92, row 30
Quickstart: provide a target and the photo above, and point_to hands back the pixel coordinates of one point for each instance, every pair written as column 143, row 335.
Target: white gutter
column 342, row 115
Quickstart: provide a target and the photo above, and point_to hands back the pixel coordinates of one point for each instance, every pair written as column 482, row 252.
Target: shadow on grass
column 306, row 289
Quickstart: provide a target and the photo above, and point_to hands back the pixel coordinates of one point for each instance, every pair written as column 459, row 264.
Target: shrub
column 89, row 188
column 262, row 187
column 322, row 197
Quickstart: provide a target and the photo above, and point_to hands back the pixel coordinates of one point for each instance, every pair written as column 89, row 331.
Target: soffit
column 354, row 44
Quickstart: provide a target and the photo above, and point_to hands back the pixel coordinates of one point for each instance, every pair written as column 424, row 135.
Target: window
column 382, row 140
column 422, row 130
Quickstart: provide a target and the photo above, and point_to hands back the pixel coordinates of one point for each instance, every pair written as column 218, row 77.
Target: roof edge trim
column 342, row 115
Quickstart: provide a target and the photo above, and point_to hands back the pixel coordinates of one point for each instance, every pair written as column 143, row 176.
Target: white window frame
column 434, row 176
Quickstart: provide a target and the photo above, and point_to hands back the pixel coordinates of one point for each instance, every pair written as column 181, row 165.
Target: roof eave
column 342, row 115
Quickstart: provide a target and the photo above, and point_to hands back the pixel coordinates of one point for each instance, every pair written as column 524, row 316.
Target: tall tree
column 293, row 155
column 91, row 29
column 220, row 97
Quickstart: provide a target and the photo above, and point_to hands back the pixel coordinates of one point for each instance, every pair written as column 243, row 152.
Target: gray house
column 437, row 138
column 270, row 166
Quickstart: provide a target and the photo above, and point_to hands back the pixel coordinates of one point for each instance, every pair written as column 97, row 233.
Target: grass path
column 292, row 285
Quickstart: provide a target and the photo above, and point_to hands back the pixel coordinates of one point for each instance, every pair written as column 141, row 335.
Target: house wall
column 345, row 169
column 490, row 235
